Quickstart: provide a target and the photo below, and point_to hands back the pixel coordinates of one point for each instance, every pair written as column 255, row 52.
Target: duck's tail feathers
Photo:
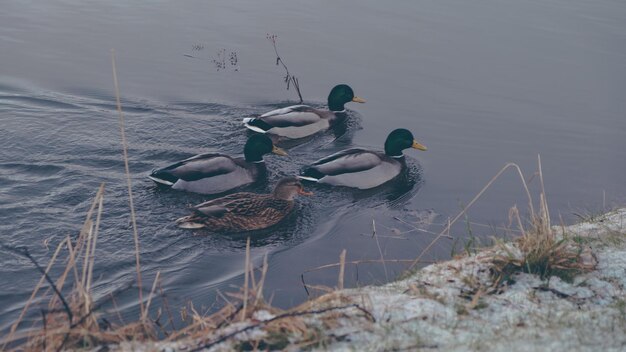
column 307, row 178
column 163, row 177
column 160, row 181
column 256, row 125
column 311, row 173
column 189, row 222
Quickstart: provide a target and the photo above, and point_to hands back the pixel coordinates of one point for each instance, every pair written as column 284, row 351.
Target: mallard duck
column 245, row 211
column 361, row 168
column 214, row 173
column 299, row 121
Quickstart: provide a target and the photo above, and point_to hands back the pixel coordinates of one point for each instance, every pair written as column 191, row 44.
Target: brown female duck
column 245, row 211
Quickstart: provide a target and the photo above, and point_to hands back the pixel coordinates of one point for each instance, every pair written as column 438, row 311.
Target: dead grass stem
column 541, row 251
column 342, row 269
column 464, row 210
column 128, row 181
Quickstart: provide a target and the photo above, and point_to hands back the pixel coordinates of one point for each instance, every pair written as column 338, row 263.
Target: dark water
column 481, row 83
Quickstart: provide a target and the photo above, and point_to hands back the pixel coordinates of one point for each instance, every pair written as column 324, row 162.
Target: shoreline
column 453, row 306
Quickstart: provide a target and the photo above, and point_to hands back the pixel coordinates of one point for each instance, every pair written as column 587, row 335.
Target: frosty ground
column 456, row 306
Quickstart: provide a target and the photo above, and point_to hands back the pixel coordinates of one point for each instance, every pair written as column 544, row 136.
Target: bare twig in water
column 128, row 181
column 221, row 60
column 382, row 258
column 170, row 318
column 289, row 78
column 415, row 228
column 23, row 251
column 32, row 297
column 308, row 294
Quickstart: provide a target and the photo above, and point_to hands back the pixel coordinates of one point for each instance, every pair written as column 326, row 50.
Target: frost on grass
column 460, row 305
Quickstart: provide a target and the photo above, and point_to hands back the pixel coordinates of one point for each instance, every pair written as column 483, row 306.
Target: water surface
column 481, row 83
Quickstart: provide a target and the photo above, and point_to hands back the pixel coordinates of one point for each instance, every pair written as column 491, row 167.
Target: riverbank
column 476, row 302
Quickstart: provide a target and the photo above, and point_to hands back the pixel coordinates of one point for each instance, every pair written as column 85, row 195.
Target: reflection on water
column 482, row 83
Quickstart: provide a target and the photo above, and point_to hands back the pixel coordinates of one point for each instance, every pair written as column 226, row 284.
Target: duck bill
column 279, row 151
column 301, row 191
column 358, row 100
column 418, row 146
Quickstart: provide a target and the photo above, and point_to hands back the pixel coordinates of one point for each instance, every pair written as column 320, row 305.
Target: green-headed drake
column 299, row 121
column 362, row 168
column 245, row 211
column 214, row 173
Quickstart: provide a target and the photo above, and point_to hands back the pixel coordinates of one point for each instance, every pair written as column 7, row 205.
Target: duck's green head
column 340, row 95
column 259, row 145
column 401, row 139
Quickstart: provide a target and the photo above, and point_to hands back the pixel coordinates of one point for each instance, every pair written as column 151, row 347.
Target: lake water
column 481, row 83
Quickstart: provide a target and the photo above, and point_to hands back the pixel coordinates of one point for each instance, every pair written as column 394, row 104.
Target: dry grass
column 543, row 255
column 128, row 180
column 446, row 231
column 251, row 311
column 542, row 251
column 71, row 320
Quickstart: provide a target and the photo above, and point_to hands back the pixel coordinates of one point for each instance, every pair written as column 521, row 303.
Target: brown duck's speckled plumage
column 240, row 212
column 245, row 211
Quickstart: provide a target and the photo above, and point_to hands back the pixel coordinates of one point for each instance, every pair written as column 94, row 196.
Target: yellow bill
column 279, row 151
column 418, row 146
column 358, row 100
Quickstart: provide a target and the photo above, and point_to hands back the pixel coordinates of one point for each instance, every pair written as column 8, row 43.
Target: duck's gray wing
column 291, row 116
column 345, row 161
column 201, row 166
column 288, row 109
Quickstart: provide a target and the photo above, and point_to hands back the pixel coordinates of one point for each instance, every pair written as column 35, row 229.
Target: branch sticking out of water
column 289, row 78
column 222, row 60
